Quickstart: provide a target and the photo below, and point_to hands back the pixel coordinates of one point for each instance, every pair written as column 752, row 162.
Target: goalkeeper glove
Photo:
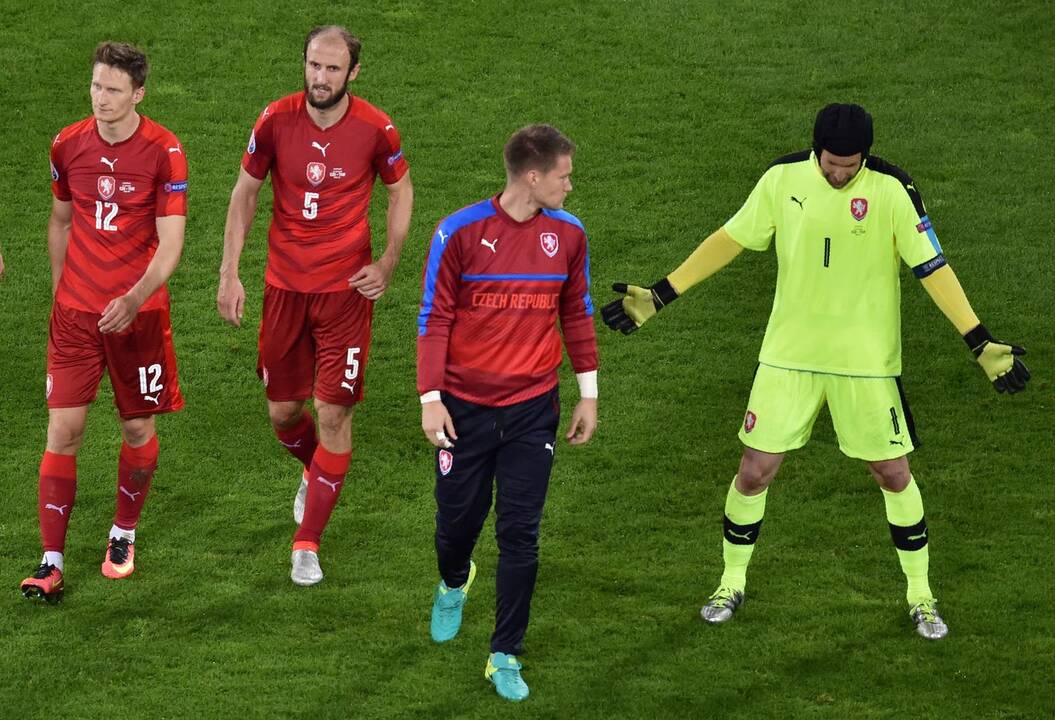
column 999, row 360
column 639, row 304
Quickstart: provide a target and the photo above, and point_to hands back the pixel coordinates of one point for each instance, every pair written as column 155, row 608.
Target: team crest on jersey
column 49, row 385
column 316, row 172
column 859, row 208
column 106, row 186
column 446, row 462
column 749, row 421
column 549, row 243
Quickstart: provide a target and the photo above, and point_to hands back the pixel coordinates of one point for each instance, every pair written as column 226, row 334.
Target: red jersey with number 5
column 322, row 181
column 117, row 191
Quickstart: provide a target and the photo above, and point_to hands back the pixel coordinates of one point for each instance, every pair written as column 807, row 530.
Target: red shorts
column 314, row 340
column 141, row 362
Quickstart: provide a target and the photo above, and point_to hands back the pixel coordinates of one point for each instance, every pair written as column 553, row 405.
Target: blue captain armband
column 930, row 267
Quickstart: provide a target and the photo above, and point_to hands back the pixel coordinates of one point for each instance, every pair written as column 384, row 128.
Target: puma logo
column 132, row 495
column 61, row 510
column 745, row 536
column 152, row 398
column 921, row 536
column 443, row 238
column 549, row 447
column 108, row 163
column 331, row 485
column 898, row 442
column 290, row 445
column 796, row 200
column 321, row 148
column 490, row 245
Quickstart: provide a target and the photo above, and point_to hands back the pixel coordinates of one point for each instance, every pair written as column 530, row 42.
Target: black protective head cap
column 843, row 129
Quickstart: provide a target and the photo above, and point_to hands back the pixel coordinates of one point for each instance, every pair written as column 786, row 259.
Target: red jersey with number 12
column 117, row 191
column 322, row 181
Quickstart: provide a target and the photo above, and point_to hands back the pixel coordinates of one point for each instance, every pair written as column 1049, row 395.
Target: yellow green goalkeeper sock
column 740, row 527
column 908, row 530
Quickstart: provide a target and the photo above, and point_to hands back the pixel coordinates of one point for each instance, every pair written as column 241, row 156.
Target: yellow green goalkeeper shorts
column 870, row 414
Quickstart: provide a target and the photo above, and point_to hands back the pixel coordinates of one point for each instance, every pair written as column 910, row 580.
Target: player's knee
column 64, row 438
column 753, row 478
column 285, row 416
column 334, row 420
column 518, row 540
column 892, row 477
column 137, row 431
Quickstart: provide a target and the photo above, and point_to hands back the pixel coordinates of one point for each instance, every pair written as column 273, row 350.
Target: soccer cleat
column 44, row 584
column 447, row 606
column 119, row 561
column 300, row 500
column 721, row 605
column 504, row 672
column 929, row 623
column 306, row 570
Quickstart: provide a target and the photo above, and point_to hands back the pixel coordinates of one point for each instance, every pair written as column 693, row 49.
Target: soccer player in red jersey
column 323, row 148
column 500, row 275
column 115, row 235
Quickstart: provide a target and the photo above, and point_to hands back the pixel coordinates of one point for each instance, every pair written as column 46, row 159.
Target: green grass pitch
column 677, row 108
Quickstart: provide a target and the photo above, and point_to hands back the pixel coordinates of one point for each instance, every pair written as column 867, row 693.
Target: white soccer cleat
column 306, row 570
column 929, row 623
column 300, row 500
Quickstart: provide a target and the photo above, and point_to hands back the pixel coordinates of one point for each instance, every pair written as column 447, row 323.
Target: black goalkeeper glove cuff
column 663, row 293
column 977, row 338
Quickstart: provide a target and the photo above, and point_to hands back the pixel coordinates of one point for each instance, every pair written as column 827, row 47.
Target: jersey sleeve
column 260, row 153
column 576, row 311
column 389, row 161
column 60, row 186
column 754, row 224
column 436, row 315
column 915, row 239
column 171, row 182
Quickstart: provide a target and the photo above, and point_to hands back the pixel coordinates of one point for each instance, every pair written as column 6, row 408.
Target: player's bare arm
column 1, row 266
column 437, row 424
column 373, row 280
column 58, row 237
column 121, row 311
column 230, row 297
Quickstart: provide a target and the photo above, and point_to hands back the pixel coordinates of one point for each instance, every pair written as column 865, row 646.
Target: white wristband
column 430, row 396
column 587, row 384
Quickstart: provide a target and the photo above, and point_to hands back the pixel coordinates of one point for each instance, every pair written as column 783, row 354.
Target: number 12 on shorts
column 150, row 390
column 352, row 371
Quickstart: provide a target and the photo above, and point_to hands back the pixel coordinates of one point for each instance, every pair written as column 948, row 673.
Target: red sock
column 57, row 489
column 135, row 470
column 300, row 440
column 325, row 480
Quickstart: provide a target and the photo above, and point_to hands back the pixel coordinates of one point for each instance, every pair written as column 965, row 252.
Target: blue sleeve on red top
column 576, row 306
column 439, row 293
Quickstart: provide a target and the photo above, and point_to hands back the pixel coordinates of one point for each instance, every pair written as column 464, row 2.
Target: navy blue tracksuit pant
column 511, row 447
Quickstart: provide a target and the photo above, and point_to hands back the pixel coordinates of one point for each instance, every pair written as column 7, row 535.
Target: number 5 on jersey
column 311, row 207
column 352, row 371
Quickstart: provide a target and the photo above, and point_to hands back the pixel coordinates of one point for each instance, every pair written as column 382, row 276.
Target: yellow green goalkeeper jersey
column 837, row 307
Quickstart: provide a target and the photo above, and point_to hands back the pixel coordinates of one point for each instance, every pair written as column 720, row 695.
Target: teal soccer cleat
column 504, row 672
column 447, row 606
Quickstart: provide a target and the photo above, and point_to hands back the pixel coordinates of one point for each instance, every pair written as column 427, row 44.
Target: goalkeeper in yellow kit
column 841, row 218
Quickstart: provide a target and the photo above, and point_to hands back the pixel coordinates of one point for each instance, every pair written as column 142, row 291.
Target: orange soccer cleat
column 120, row 559
column 44, row 584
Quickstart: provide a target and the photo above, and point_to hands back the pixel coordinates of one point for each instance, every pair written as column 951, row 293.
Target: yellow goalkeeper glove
column 999, row 360
column 639, row 304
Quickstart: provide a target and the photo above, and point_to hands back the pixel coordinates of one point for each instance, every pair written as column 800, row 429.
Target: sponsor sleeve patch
column 175, row 187
column 395, row 158
column 930, row 267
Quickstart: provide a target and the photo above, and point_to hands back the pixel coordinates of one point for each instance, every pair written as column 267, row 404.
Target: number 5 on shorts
column 352, row 371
